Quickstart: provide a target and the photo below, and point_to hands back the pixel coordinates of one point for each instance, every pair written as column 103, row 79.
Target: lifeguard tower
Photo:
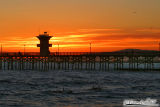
column 44, row 44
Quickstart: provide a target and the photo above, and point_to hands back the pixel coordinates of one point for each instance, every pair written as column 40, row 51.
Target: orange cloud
column 101, row 39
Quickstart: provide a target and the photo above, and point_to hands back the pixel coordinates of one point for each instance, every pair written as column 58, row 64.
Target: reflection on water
column 72, row 89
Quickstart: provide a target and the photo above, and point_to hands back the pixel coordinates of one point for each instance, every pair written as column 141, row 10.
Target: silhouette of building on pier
column 44, row 44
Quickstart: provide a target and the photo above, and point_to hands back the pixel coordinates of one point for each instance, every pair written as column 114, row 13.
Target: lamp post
column 159, row 46
column 90, row 48
column 24, row 49
column 1, row 50
column 52, row 50
column 58, row 49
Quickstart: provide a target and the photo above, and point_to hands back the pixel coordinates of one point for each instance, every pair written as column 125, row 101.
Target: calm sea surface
column 76, row 89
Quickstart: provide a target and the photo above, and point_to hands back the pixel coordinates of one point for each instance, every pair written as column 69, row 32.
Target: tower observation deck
column 44, row 44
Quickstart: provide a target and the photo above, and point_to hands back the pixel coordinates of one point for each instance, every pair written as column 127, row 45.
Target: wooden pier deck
column 82, row 61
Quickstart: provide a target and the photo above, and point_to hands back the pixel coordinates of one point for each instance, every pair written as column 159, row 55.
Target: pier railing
column 104, row 61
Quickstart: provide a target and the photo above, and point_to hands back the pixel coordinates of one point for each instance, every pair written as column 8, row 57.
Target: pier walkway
column 106, row 61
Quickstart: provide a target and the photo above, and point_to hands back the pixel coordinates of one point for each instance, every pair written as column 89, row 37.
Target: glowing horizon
column 109, row 25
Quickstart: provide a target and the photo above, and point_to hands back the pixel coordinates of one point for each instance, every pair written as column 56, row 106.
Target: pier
column 107, row 61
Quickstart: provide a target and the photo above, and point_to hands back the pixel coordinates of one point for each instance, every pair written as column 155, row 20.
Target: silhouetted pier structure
column 107, row 61
column 44, row 44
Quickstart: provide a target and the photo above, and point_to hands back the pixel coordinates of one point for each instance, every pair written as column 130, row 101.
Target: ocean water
column 76, row 88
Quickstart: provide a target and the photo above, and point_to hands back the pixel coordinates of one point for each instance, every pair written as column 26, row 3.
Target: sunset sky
column 108, row 24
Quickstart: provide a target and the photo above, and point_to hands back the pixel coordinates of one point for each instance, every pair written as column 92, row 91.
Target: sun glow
column 74, row 24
